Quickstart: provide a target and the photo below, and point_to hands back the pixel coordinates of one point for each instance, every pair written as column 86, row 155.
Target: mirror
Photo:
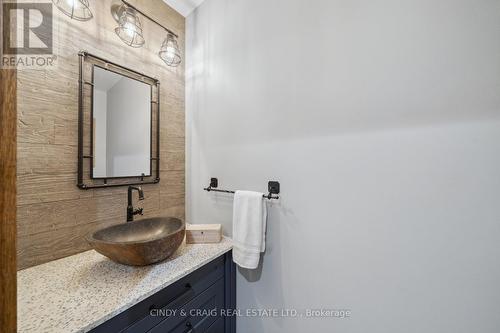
column 118, row 125
column 122, row 126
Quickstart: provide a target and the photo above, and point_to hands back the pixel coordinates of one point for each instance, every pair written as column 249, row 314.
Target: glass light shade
column 129, row 28
column 169, row 51
column 76, row 9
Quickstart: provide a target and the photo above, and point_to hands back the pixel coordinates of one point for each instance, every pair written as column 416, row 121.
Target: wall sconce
column 76, row 9
column 169, row 51
column 129, row 27
column 130, row 32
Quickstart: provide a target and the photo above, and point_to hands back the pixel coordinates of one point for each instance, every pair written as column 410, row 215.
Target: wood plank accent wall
column 53, row 214
column 8, row 201
column 8, row 136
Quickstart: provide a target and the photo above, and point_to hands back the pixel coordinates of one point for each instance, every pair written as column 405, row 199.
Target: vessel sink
column 141, row 242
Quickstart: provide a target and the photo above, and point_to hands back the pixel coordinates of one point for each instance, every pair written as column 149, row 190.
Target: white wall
column 381, row 120
column 100, row 106
column 129, row 128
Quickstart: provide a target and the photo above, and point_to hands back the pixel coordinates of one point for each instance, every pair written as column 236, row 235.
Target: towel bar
column 273, row 188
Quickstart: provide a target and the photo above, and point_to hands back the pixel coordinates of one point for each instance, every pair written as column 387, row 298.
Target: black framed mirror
column 118, row 125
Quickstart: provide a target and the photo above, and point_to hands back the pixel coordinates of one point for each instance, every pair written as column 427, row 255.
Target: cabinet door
column 198, row 315
column 181, row 295
column 206, row 325
column 217, row 327
column 138, row 319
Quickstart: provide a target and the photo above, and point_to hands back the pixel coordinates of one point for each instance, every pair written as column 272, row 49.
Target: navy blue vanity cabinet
column 191, row 305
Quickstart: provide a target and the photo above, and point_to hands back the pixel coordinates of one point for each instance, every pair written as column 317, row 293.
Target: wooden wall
column 53, row 214
column 7, row 201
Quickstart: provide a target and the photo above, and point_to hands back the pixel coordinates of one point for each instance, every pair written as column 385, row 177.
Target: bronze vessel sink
column 139, row 243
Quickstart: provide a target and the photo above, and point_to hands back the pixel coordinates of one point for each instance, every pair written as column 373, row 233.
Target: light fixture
column 76, row 9
column 129, row 27
column 130, row 31
column 169, row 51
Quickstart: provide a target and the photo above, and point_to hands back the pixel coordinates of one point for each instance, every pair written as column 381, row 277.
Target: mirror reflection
column 121, row 125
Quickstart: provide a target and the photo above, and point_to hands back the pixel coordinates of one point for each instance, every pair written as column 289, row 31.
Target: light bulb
column 76, row 9
column 170, row 52
column 129, row 28
column 73, row 3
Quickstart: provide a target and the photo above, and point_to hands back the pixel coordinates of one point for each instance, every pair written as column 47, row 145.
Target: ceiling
column 185, row 7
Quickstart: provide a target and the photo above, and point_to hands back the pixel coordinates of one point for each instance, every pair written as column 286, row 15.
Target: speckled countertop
column 78, row 293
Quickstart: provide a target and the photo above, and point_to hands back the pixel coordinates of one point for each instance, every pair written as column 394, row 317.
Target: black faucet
column 130, row 209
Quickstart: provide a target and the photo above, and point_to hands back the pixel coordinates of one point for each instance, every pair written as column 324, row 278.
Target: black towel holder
column 272, row 186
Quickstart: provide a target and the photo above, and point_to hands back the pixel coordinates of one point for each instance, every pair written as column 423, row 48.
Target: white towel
column 249, row 228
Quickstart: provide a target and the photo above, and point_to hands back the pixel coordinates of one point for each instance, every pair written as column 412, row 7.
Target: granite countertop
column 78, row 293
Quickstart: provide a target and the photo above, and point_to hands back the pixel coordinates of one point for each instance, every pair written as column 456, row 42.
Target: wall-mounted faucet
column 130, row 208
